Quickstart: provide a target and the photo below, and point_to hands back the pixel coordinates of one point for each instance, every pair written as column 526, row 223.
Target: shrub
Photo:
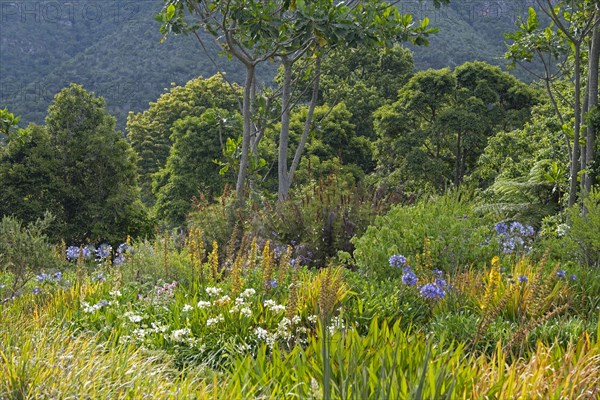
column 457, row 236
column 585, row 227
column 24, row 252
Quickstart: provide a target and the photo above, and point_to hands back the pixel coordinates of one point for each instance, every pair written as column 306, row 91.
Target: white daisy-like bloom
column 187, row 308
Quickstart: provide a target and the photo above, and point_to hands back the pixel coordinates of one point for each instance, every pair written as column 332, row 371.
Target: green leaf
column 170, row 11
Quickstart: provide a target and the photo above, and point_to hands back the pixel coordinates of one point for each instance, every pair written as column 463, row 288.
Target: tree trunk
column 458, row 160
column 307, row 123
column 284, row 134
column 594, row 58
column 573, row 189
column 246, row 136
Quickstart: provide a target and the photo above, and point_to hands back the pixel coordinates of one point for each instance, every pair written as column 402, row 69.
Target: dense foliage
column 78, row 167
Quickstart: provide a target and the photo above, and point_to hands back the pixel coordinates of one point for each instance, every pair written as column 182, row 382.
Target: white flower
column 223, row 300
column 274, row 307
column 562, row 229
column 180, row 335
column 87, row 308
column 204, row 304
column 213, row 291
column 187, row 308
column 140, row 333
column 115, row 293
column 296, row 320
column 133, row 317
column 248, row 293
column 246, row 312
column 261, row 333
column 159, row 328
column 216, row 320
column 312, row 319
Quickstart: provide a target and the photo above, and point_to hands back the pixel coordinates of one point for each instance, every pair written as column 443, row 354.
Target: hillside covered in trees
column 115, row 50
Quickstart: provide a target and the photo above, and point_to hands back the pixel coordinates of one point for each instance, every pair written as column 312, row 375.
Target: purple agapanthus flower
column 432, row 291
column 119, row 259
column 397, row 261
column 501, row 228
column 72, row 253
column 103, row 252
column 523, row 279
column 409, row 278
column 561, row 274
column 88, row 251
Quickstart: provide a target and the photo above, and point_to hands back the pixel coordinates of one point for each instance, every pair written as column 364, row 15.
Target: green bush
column 24, row 252
column 584, row 229
column 458, row 236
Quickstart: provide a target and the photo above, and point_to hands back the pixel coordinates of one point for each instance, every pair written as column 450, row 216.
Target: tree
column 150, row 131
column 79, row 168
column 28, row 175
column 191, row 168
column 574, row 24
column 440, row 124
column 288, row 32
column 8, row 122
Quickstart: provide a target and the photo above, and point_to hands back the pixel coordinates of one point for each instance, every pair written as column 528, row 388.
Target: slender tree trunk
column 247, row 134
column 284, row 134
column 583, row 136
column 573, row 189
column 458, row 159
column 307, row 123
column 594, row 58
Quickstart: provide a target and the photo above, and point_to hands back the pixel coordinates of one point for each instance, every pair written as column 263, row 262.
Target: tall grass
column 41, row 358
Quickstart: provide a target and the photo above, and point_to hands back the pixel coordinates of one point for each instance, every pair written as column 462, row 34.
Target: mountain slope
column 114, row 49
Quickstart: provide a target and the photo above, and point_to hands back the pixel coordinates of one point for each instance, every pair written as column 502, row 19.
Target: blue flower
column 573, row 277
column 523, row 279
column 501, row 228
column 100, row 277
column 103, row 303
column 432, row 291
column 103, row 252
column 88, row 251
column 120, row 259
column 72, row 253
column 273, row 283
column 397, row 261
column 57, row 276
column 441, row 283
column 36, row 290
column 42, row 277
column 123, row 248
column 409, row 278
column 561, row 274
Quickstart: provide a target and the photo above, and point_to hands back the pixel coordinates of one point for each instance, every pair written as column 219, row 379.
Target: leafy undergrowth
column 159, row 321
